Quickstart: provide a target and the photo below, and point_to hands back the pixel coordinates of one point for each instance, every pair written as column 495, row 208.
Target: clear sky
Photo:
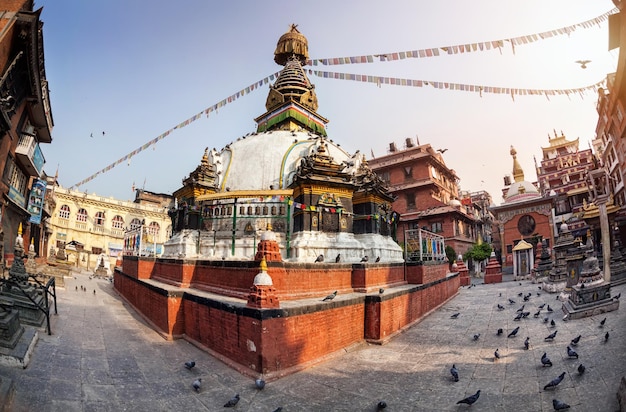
column 134, row 69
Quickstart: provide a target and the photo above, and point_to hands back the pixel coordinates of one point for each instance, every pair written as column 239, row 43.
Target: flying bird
column 554, row 382
column 513, row 333
column 602, row 322
column 455, row 315
column 259, row 383
column 364, row 258
column 499, row 332
column 442, row 151
column 232, row 401
column 581, row 369
column 551, row 336
column 558, row 405
column 190, row 364
column 196, row 384
column 338, row 258
column 527, row 342
column 545, row 361
column 330, row 297
column 496, row 354
column 470, row 400
column 576, row 340
column 571, row 353
column 455, row 373
column 320, row 258
column 583, row 63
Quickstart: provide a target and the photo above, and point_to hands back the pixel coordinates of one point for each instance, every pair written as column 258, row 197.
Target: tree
column 478, row 252
column 451, row 254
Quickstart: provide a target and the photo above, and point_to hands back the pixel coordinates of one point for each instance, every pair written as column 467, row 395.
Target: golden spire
column 518, row 173
column 292, row 43
column 263, row 265
column 19, row 229
column 205, row 157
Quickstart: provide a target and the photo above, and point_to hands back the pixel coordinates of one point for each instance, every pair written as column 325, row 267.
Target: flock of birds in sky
column 557, row 404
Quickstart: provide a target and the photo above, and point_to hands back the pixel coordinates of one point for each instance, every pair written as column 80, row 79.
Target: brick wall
column 426, row 273
column 366, row 278
column 387, row 314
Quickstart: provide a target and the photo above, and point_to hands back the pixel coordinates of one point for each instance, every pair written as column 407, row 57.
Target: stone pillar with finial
column 262, row 293
column 463, row 271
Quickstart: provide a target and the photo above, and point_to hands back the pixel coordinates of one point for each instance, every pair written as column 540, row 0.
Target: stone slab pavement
column 103, row 357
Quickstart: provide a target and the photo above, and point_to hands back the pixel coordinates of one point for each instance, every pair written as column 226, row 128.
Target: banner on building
column 35, row 201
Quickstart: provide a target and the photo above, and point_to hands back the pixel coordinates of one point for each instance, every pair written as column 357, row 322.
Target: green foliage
column 451, row 254
column 478, row 252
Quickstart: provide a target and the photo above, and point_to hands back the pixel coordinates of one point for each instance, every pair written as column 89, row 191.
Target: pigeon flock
column 519, row 315
column 456, row 373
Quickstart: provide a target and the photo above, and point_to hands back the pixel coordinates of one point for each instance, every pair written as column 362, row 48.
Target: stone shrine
column 557, row 279
column 591, row 295
column 541, row 273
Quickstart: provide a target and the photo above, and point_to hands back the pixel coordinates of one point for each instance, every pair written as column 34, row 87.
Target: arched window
column 64, row 212
column 117, row 222
column 135, row 224
column 99, row 219
column 81, row 216
column 154, row 228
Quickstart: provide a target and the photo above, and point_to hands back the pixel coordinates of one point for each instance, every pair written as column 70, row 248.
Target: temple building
column 524, row 219
column 282, row 251
column 317, row 198
column 564, row 174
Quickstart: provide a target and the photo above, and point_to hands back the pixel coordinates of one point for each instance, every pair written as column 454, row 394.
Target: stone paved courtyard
column 103, row 357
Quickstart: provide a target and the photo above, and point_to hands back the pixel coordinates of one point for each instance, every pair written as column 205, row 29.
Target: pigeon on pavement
column 546, row 319
column 500, row 307
column 541, row 306
column 536, row 314
column 558, row 405
column 381, row 405
column 552, row 323
column 476, row 336
column 259, row 383
column 330, row 297
column 554, row 382
column 606, row 337
column 470, row 399
column 602, row 322
column 551, row 336
column 455, row 315
column 513, row 333
column 518, row 317
column 232, row 402
column 581, row 369
column 527, row 342
column 190, row 364
column 196, row 384
column 455, row 373
column 496, row 354
column 521, row 309
column 511, row 301
column 576, row 340
column 571, row 353
column 545, row 361
column 499, row 332
column 549, row 309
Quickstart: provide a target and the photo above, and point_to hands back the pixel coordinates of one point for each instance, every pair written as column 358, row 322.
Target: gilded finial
column 205, row 156
column 19, row 229
column 263, row 265
column 269, row 227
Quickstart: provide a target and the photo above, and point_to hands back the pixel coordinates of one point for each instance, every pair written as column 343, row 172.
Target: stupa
column 318, row 198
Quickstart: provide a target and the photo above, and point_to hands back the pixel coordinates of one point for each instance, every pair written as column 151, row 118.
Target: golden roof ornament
column 518, row 173
column 292, row 43
column 205, row 157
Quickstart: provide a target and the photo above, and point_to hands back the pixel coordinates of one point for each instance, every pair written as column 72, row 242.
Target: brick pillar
column 493, row 271
column 262, row 293
column 463, row 272
column 268, row 248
